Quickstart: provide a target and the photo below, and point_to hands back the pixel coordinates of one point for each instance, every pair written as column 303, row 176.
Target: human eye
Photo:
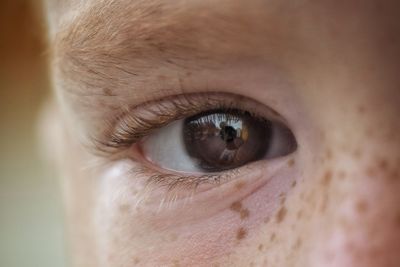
column 217, row 140
column 182, row 142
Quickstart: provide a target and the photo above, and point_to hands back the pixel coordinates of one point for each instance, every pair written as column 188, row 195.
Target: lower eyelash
column 177, row 183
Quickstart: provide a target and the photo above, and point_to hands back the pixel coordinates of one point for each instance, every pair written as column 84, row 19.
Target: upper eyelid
column 132, row 125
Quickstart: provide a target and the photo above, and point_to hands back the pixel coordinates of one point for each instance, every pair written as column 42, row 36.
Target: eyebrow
column 110, row 43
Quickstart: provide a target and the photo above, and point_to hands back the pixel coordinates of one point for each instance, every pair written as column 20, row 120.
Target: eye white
column 166, row 148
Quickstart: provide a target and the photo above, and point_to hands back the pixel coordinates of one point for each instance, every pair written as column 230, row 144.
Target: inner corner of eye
column 217, row 140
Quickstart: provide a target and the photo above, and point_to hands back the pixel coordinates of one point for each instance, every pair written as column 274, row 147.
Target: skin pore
column 329, row 69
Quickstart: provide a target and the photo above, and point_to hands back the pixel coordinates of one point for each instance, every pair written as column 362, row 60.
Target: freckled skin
column 241, row 233
column 334, row 203
column 280, row 216
column 243, row 212
column 327, row 178
column 291, row 162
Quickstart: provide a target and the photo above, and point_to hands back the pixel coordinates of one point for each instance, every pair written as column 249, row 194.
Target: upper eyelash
column 130, row 127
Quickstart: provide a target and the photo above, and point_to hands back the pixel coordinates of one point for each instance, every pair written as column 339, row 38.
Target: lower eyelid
column 171, row 180
column 184, row 185
column 209, row 200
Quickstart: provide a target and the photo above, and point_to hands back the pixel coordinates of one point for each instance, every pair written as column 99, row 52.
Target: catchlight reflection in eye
column 217, row 140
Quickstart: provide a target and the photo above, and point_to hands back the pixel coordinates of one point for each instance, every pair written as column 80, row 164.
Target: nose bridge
column 362, row 224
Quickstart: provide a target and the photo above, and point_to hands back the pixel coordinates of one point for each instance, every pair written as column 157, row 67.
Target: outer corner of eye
column 217, row 140
column 283, row 141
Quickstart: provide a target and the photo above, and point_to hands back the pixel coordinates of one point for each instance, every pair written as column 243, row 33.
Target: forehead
column 136, row 35
column 106, row 41
column 159, row 25
column 149, row 27
column 115, row 41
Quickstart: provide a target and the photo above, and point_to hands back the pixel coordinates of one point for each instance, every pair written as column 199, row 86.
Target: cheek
column 353, row 206
column 208, row 228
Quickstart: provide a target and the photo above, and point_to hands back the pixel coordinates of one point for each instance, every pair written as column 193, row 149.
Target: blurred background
column 31, row 215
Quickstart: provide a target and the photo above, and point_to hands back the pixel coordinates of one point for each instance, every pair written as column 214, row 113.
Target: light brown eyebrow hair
column 109, row 42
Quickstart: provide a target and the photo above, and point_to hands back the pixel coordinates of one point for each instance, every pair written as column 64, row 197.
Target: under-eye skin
column 188, row 140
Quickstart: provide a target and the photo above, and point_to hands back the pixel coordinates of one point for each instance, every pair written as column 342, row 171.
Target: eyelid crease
column 134, row 124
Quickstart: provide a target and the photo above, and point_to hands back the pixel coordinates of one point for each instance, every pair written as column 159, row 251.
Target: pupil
column 221, row 140
column 228, row 134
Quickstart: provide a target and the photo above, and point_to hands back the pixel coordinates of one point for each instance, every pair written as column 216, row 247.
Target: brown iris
column 220, row 140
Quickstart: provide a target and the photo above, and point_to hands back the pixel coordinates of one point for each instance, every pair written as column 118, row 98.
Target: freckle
column 240, row 185
column 188, row 74
column 383, row 165
column 267, row 220
column 327, row 178
column 236, row 206
column 161, row 77
column 397, row 220
column 108, row 92
column 282, row 197
column 291, row 162
column 394, row 175
column 273, row 237
column 294, row 184
column 244, row 213
column 280, row 216
column 241, row 233
column 361, row 206
column 136, row 261
column 361, row 109
column 260, row 247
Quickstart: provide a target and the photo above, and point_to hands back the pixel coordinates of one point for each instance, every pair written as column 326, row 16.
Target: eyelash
column 179, row 182
column 130, row 127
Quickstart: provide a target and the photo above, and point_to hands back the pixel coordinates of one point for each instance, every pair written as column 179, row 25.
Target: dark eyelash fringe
column 130, row 128
column 186, row 183
column 127, row 128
